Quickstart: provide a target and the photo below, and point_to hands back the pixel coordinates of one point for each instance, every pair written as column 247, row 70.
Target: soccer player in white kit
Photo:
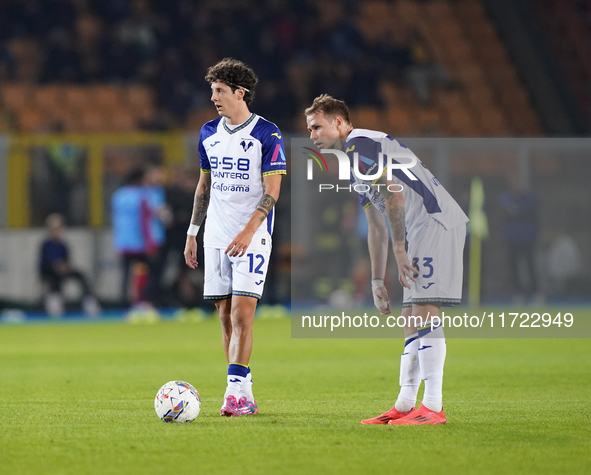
column 422, row 212
column 242, row 161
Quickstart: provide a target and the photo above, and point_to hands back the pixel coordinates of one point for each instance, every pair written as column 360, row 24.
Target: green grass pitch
column 78, row 399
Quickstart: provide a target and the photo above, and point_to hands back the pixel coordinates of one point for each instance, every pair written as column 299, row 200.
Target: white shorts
column 438, row 256
column 226, row 276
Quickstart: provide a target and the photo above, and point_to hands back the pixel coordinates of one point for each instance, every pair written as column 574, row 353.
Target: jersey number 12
column 257, row 269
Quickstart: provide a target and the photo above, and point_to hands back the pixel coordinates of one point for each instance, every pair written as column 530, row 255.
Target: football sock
column 246, row 389
column 431, row 360
column 410, row 378
column 236, row 376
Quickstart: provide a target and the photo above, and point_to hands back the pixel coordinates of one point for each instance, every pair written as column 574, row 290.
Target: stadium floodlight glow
column 393, row 161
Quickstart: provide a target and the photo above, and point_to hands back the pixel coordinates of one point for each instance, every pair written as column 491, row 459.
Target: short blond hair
column 330, row 106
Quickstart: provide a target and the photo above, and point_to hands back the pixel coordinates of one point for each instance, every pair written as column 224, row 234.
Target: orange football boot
column 388, row 416
column 421, row 416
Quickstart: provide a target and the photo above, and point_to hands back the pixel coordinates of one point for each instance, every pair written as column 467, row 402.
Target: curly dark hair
column 235, row 74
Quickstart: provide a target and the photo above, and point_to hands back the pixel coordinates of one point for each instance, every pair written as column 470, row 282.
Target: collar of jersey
column 240, row 127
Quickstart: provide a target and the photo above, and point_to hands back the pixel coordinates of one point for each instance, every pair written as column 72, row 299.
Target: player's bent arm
column 201, row 199
column 200, row 205
column 271, row 186
column 377, row 242
column 396, row 219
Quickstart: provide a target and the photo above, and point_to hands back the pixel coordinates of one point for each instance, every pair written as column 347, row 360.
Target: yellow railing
column 19, row 166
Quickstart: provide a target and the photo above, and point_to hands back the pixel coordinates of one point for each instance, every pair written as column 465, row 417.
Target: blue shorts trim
column 247, row 294
column 217, row 297
column 443, row 302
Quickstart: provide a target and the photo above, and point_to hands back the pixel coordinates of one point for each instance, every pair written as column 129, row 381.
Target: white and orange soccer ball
column 177, row 401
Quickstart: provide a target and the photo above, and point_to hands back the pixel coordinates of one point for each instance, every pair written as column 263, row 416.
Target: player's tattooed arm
column 397, row 220
column 265, row 206
column 201, row 200
column 394, row 210
column 200, row 205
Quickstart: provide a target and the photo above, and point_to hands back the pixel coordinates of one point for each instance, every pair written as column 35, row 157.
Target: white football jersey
column 238, row 158
column 424, row 198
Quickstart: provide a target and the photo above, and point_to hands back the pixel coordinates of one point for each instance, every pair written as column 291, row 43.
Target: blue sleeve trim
column 270, row 222
column 208, row 129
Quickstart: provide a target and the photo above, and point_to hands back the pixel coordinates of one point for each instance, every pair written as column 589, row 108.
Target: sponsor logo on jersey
column 259, row 282
column 278, row 156
column 426, row 286
column 276, row 135
column 235, row 187
column 214, row 144
column 231, row 175
column 350, row 149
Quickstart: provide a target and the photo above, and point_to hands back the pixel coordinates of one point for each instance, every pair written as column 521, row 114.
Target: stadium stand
column 100, row 66
column 566, row 26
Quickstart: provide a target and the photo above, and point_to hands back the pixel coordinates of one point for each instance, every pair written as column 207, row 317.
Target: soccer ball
column 177, row 401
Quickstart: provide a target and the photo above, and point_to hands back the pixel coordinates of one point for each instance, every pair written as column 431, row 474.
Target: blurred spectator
column 424, row 71
column 7, row 63
column 55, row 268
column 61, row 63
column 520, row 230
column 59, row 180
column 132, row 236
column 158, row 214
column 564, row 266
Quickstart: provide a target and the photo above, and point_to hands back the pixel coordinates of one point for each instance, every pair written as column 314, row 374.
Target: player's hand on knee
column 239, row 244
column 190, row 252
column 380, row 296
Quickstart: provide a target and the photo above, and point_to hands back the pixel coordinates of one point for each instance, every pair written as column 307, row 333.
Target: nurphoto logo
column 402, row 161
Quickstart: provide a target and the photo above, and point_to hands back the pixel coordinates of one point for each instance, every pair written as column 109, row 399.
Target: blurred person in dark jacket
column 520, row 230
column 55, row 268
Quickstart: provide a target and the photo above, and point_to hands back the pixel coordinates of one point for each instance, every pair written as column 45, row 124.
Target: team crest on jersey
column 246, row 144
